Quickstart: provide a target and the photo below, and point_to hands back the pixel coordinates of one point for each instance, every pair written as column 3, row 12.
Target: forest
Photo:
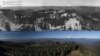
column 51, row 19
column 46, row 48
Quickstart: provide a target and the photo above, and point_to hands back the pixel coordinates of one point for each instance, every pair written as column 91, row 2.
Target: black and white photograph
column 50, row 15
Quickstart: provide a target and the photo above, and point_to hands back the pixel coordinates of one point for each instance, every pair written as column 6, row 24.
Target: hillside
column 51, row 18
column 44, row 49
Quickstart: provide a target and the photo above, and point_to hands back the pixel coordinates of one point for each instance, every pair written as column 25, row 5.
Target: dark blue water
column 50, row 34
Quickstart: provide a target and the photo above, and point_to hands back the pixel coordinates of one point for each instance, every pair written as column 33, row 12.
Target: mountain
column 52, row 18
column 52, row 7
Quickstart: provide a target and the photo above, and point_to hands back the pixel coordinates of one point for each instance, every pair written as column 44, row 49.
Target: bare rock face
column 73, row 23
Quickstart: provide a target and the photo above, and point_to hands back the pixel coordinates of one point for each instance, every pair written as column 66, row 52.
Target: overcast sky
column 49, row 3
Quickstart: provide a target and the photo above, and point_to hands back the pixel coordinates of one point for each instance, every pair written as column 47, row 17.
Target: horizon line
column 50, row 6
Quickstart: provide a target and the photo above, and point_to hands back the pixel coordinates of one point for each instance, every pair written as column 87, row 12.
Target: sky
column 50, row 34
column 7, row 3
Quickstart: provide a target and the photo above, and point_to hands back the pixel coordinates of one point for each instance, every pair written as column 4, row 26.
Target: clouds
column 50, row 3
column 71, row 2
column 7, row 3
column 55, row 2
column 32, row 2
